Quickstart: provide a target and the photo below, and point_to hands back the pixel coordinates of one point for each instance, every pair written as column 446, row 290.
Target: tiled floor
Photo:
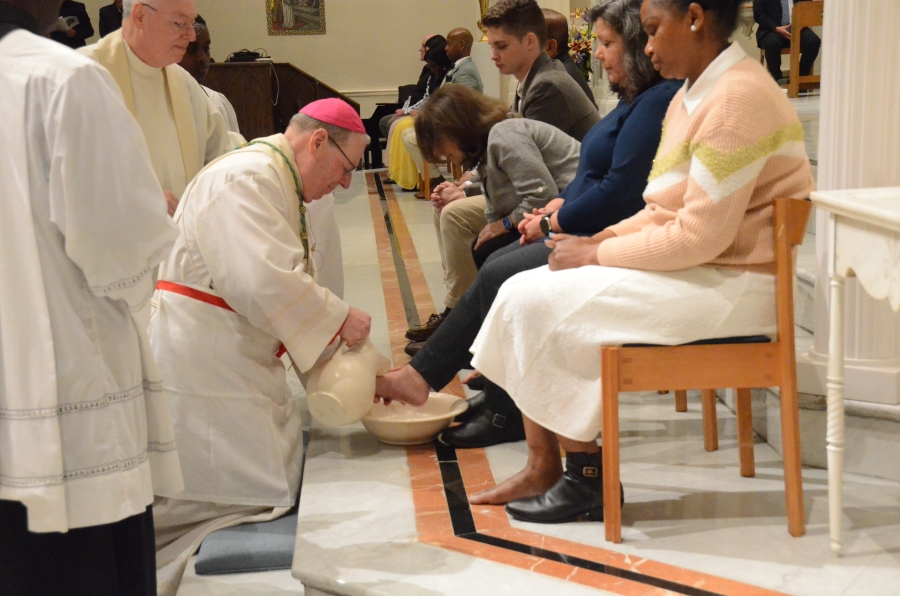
column 380, row 520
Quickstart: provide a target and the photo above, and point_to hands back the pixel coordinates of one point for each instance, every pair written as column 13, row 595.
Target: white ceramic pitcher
column 340, row 390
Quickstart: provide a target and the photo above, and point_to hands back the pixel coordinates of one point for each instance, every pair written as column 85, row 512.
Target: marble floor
column 387, row 520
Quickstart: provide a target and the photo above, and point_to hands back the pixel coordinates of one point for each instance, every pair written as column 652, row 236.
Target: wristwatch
column 507, row 223
column 546, row 226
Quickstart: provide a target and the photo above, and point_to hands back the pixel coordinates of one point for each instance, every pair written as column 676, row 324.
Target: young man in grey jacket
column 517, row 34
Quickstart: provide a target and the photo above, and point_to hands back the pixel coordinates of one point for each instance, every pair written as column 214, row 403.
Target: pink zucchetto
column 335, row 112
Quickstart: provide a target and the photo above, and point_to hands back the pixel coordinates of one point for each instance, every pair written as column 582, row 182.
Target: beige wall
column 370, row 48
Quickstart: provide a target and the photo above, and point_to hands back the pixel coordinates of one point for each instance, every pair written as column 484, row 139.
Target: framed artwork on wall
column 295, row 17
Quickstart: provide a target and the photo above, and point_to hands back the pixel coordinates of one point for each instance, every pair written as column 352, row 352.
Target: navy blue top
column 616, row 157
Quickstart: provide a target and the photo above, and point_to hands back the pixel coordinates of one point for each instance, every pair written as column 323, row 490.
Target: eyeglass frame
column 350, row 161
column 181, row 27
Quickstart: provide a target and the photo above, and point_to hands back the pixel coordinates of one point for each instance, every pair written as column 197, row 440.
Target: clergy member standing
column 196, row 61
column 237, row 289
column 86, row 433
column 182, row 128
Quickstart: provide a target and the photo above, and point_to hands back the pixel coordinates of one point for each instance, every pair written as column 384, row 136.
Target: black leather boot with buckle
column 578, row 494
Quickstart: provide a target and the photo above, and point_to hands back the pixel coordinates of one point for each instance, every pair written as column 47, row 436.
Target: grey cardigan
column 528, row 164
column 550, row 95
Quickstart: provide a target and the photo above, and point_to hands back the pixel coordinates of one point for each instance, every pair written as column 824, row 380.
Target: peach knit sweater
column 731, row 144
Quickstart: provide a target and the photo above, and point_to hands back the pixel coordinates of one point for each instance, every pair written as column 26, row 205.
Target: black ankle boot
column 579, row 493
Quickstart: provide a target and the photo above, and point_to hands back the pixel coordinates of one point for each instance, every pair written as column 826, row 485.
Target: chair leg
column 710, row 422
column 790, row 442
column 680, row 401
column 744, row 411
column 612, row 508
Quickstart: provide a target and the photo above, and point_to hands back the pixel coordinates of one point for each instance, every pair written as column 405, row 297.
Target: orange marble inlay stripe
column 433, row 521
column 397, row 323
column 493, row 521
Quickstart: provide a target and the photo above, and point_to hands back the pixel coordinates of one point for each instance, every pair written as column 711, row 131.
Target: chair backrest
column 807, row 14
column 790, row 218
column 403, row 92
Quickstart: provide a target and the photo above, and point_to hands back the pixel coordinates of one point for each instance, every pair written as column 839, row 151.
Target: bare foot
column 403, row 384
column 529, row 482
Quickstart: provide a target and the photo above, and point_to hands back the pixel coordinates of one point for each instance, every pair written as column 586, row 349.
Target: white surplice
column 237, row 425
column 224, row 107
column 86, row 434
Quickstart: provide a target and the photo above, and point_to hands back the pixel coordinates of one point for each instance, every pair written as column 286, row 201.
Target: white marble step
column 872, row 431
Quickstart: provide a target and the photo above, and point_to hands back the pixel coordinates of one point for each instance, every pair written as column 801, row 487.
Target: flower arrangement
column 581, row 38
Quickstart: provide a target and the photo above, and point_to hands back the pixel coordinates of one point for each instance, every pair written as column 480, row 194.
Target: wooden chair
column 426, row 181
column 805, row 14
column 708, row 408
column 741, row 365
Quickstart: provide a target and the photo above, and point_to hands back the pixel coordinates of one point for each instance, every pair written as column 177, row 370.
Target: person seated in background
column 517, row 34
column 75, row 36
column 558, row 48
column 459, row 52
column 616, row 158
column 196, row 61
column 110, row 18
column 696, row 263
column 401, row 167
column 423, row 85
column 239, row 285
column 463, row 72
column 521, row 163
column 774, row 34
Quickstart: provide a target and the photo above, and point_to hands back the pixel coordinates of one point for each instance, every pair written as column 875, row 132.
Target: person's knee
column 455, row 214
column 409, row 138
column 771, row 42
column 453, row 223
column 492, row 274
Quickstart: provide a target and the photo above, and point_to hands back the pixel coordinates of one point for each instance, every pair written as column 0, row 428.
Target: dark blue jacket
column 616, row 157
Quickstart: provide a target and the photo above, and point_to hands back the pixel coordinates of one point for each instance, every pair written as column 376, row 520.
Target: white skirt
column 541, row 339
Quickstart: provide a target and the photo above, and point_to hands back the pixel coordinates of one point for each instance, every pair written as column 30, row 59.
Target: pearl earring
column 693, row 27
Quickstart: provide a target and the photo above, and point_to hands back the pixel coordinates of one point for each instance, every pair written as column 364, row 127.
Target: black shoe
column 476, row 384
column 475, row 405
column 484, row 429
column 578, row 494
column 423, row 332
column 413, row 347
column 387, row 181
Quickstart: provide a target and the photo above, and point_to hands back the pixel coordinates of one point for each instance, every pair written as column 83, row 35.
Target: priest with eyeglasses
column 241, row 287
column 183, row 130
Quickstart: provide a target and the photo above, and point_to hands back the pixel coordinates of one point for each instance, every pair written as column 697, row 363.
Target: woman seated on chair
column 695, row 263
column 401, row 166
column 616, row 157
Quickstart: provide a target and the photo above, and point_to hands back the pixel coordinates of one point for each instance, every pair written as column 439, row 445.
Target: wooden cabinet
column 265, row 95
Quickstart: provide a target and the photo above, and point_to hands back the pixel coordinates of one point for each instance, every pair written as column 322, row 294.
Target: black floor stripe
column 464, row 527
column 454, row 489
